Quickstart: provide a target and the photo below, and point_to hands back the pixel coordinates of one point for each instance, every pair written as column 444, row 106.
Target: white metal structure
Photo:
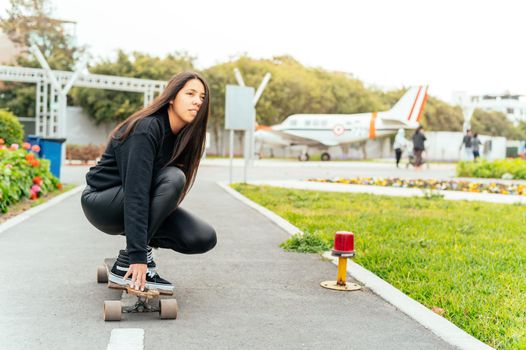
column 326, row 130
column 48, row 116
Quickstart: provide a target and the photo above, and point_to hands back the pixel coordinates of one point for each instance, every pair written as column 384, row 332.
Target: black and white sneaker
column 124, row 259
column 153, row 280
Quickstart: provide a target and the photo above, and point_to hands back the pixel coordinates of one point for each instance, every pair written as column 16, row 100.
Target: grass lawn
column 26, row 204
column 467, row 258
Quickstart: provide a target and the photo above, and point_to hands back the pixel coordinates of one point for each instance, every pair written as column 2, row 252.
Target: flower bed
column 502, row 168
column 23, row 174
column 449, row 185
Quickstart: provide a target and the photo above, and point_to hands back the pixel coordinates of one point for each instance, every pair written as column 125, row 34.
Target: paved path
column 246, row 293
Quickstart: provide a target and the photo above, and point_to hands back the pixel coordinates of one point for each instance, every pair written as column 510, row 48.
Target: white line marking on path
column 435, row 323
column 126, row 339
column 33, row 211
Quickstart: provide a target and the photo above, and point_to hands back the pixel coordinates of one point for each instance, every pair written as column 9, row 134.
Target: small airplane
column 322, row 131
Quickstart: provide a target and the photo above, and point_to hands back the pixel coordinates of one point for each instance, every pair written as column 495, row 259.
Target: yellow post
column 342, row 271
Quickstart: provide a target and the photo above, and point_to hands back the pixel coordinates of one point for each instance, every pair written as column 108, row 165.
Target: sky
column 461, row 45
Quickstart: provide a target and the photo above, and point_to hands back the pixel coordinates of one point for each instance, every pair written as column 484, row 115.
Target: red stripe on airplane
column 422, row 107
column 414, row 103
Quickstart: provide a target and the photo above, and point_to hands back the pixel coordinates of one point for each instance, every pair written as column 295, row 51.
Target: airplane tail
column 409, row 108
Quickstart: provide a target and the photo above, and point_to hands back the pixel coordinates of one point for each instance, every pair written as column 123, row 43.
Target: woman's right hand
column 138, row 276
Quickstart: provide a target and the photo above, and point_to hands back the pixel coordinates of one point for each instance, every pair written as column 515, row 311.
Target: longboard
column 113, row 309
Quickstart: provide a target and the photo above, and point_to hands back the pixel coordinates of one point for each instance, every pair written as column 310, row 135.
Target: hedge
column 495, row 169
column 11, row 131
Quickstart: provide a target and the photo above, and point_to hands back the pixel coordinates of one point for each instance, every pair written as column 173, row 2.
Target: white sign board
column 239, row 108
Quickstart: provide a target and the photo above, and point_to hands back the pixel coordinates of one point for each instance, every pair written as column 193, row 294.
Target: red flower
column 30, row 157
column 35, row 163
column 37, row 180
column 26, row 145
column 59, row 186
column 35, row 148
column 34, row 195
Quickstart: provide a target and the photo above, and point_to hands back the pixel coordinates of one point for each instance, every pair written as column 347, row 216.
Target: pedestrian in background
column 399, row 145
column 467, row 142
column 522, row 150
column 475, row 143
column 418, row 146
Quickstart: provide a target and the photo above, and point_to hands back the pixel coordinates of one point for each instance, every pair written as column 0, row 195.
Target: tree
column 522, row 129
column 441, row 116
column 31, row 20
column 495, row 124
column 292, row 89
column 114, row 106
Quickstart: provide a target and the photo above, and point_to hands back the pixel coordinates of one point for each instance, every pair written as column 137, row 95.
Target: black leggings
column 398, row 153
column 169, row 226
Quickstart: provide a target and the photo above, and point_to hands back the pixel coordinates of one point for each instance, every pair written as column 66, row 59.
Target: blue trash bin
column 51, row 149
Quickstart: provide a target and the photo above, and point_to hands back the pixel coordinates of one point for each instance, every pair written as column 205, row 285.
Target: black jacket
column 133, row 164
column 418, row 141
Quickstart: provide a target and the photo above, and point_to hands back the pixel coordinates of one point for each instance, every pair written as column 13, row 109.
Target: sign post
column 240, row 114
column 262, row 86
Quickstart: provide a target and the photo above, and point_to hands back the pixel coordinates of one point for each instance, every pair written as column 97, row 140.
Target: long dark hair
column 191, row 138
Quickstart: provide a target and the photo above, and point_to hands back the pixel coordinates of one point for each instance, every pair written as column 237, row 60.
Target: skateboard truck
column 143, row 298
column 343, row 249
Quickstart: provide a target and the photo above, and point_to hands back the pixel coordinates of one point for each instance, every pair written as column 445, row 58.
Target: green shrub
column 307, row 243
column 11, row 131
column 495, row 169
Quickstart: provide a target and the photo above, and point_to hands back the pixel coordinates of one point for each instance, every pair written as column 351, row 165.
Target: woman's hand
column 138, row 273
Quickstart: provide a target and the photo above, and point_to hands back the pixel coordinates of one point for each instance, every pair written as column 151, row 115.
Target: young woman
column 147, row 168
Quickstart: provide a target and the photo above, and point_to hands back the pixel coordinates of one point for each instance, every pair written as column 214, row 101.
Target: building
column 8, row 50
column 513, row 106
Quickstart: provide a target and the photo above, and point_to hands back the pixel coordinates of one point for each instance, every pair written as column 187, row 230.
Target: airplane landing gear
column 325, row 156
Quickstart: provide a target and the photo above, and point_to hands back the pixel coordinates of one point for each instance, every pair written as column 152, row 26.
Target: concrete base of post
column 334, row 286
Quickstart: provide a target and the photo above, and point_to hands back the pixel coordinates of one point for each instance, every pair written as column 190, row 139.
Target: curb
column 412, row 308
column 33, row 211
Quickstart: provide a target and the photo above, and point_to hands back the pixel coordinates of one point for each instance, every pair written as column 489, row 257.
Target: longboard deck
column 147, row 293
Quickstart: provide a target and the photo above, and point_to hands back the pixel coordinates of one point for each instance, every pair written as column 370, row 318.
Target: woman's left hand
column 138, row 273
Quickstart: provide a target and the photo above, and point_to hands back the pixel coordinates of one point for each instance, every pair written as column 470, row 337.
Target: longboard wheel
column 102, row 274
column 112, row 310
column 168, row 309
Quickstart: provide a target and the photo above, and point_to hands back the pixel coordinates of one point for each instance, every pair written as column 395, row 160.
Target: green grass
column 468, row 258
